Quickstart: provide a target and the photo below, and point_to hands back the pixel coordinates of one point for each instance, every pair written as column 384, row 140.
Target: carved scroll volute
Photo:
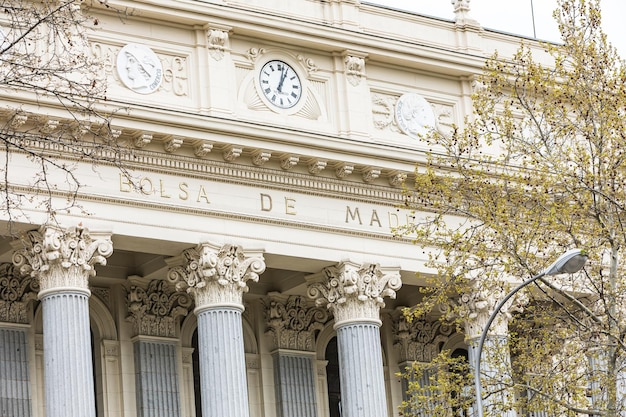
column 292, row 323
column 154, row 307
column 17, row 291
column 354, row 293
column 216, row 275
column 60, row 258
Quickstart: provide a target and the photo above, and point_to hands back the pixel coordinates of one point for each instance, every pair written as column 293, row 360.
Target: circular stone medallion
column 139, row 68
column 414, row 115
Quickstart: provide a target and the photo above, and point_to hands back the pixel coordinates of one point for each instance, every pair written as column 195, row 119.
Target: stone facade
column 244, row 264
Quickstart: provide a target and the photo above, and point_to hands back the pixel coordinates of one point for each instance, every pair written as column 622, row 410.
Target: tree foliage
column 53, row 105
column 539, row 168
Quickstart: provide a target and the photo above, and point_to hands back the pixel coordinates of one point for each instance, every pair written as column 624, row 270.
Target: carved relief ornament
column 419, row 340
column 62, row 259
column 216, row 276
column 153, row 309
column 355, row 293
column 477, row 306
column 16, row 292
column 293, row 324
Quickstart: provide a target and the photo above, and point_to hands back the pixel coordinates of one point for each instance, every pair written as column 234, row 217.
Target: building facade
column 245, row 263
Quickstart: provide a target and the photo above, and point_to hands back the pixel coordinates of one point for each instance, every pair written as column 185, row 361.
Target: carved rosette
column 16, row 292
column 293, row 324
column 419, row 340
column 216, row 276
column 62, row 259
column 355, row 293
column 154, row 309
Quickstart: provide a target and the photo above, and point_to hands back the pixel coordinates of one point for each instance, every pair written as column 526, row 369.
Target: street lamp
column 568, row 263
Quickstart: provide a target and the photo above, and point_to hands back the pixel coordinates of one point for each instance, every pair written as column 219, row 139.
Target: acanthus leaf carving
column 355, row 292
column 155, row 308
column 16, row 292
column 216, row 275
column 62, row 258
column 293, row 324
column 419, row 339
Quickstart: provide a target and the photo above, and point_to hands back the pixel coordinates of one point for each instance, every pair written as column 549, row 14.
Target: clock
column 280, row 84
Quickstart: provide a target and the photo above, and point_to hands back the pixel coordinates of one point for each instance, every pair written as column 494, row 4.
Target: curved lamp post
column 570, row 262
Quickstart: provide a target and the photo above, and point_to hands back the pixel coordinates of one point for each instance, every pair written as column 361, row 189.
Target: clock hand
column 282, row 80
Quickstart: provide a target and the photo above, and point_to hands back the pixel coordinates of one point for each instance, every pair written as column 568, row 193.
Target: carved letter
column 125, row 184
column 375, row 219
column 352, row 215
column 393, row 220
column 266, row 202
column 184, row 193
column 163, row 194
column 202, row 194
column 290, row 206
column 145, row 185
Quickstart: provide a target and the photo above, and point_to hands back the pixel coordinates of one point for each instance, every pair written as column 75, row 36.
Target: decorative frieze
column 353, row 292
column 154, row 309
column 216, row 275
column 16, row 292
column 59, row 258
column 419, row 340
column 292, row 323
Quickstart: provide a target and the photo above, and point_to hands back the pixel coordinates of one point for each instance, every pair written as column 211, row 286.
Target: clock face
column 280, row 84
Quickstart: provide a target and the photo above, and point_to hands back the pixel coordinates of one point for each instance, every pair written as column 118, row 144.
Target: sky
column 516, row 16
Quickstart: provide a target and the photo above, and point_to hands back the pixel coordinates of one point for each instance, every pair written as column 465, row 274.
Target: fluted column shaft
column 68, row 369
column 295, row 385
column 216, row 277
column 62, row 261
column 14, row 374
column 222, row 363
column 156, row 379
column 361, row 370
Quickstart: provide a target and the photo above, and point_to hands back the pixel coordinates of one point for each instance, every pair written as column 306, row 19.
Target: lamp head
column 570, row 262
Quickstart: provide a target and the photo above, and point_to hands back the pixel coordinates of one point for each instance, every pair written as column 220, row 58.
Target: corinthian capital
column 154, row 308
column 292, row 323
column 62, row 259
column 354, row 293
column 477, row 306
column 216, row 275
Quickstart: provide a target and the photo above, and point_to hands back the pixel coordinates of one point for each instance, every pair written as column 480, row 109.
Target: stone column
column 293, row 325
column 16, row 294
column 354, row 293
column 217, row 278
column 154, row 309
column 495, row 363
column 62, row 262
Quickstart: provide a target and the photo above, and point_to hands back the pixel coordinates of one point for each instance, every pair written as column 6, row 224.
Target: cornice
column 313, row 32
